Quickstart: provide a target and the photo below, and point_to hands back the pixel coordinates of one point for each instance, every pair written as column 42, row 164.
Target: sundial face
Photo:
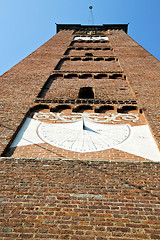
column 83, row 136
column 87, row 133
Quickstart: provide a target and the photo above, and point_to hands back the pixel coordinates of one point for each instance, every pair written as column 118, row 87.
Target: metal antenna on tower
column 91, row 15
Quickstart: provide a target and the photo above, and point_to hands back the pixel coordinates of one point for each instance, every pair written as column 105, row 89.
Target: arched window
column 61, row 108
column 98, row 59
column 127, row 109
column 85, row 76
column 101, row 76
column 83, row 108
column 115, row 76
column 70, row 76
column 104, row 109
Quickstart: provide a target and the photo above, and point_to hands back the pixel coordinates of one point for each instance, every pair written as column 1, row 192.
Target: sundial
column 83, row 135
column 89, row 132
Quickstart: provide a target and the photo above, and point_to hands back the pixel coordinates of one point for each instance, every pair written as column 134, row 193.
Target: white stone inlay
column 95, row 117
column 135, row 140
column 27, row 134
column 141, row 143
column 91, row 38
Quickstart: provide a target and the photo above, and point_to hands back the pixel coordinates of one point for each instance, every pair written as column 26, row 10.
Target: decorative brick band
column 86, row 101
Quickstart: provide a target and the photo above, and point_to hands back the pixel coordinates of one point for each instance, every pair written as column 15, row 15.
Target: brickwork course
column 45, row 199
column 53, row 193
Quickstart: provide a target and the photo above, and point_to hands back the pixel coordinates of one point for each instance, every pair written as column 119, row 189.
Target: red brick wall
column 90, row 44
column 105, row 89
column 21, row 84
column 143, row 73
column 102, row 66
column 76, row 52
column 45, row 199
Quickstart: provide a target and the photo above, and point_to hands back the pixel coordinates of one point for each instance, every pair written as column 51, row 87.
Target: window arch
column 127, row 109
column 60, row 108
column 85, row 76
column 83, row 108
column 101, row 76
column 104, row 109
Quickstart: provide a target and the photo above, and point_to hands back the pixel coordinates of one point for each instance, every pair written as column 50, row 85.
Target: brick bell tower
column 80, row 135
column 90, row 97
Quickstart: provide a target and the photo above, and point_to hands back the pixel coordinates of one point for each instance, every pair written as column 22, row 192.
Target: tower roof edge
column 123, row 27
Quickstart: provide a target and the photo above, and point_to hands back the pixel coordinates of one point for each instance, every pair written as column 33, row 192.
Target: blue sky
column 27, row 24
